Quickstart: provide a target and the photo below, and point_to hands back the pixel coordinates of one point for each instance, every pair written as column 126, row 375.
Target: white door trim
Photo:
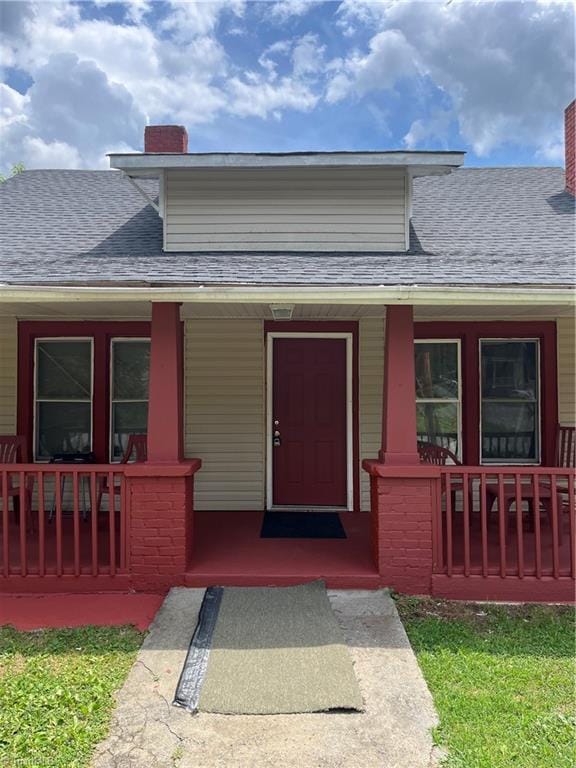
column 270, row 336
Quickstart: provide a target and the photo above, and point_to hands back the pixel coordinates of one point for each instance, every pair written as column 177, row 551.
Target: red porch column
column 165, row 418
column 399, row 391
column 402, row 491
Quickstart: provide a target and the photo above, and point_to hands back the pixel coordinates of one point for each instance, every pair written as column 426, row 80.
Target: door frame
column 350, row 389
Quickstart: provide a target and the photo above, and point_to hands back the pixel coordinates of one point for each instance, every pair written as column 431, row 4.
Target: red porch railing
column 65, row 521
column 513, row 523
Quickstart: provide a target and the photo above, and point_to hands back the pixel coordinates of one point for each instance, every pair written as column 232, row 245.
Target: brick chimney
column 570, row 146
column 166, row 138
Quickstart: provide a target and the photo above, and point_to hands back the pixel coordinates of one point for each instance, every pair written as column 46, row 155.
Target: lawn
column 56, row 691
column 502, row 678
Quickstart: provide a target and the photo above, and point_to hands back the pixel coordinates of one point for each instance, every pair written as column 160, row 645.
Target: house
column 386, row 334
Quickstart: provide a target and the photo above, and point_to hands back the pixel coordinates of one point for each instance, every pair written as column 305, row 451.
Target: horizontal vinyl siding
column 371, row 366
column 293, row 209
column 8, row 374
column 566, row 335
column 224, row 412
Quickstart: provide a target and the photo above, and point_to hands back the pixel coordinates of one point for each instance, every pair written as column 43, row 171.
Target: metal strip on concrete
column 196, row 663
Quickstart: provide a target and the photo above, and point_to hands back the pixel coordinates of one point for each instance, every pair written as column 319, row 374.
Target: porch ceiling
column 190, row 310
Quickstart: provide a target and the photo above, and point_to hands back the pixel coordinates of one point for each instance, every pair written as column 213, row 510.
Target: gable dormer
column 301, row 201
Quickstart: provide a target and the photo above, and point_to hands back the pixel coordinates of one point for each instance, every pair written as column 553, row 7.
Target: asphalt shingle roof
column 485, row 226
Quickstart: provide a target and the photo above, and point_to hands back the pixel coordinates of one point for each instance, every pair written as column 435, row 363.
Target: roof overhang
column 367, row 295
column 420, row 163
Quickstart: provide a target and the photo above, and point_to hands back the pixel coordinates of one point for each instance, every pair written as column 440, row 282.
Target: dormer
column 295, row 201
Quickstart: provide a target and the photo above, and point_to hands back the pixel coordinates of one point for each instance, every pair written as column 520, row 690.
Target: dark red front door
column 309, row 412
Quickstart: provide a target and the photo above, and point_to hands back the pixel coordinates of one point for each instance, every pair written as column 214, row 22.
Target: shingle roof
column 485, row 226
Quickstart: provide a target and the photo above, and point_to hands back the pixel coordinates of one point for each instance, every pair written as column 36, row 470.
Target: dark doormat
column 302, row 525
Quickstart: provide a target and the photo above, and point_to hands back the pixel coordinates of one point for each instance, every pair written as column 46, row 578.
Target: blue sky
column 82, row 78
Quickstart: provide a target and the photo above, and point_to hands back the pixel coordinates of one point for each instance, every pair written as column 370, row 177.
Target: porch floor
column 228, row 550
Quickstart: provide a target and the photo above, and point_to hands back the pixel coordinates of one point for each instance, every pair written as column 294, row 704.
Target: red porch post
column 399, row 391
column 165, row 389
column 402, row 491
column 161, row 490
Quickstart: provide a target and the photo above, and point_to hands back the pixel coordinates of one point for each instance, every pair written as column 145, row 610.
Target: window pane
column 436, row 370
column 509, row 370
column 509, row 431
column 64, row 370
column 438, row 423
column 131, row 368
column 63, row 428
column 127, row 419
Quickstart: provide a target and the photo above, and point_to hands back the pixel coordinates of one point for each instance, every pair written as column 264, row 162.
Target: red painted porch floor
column 228, row 550
column 28, row 612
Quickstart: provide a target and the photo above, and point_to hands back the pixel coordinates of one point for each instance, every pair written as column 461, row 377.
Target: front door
column 309, row 453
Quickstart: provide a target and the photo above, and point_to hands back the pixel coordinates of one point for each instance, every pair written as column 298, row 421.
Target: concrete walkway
column 393, row 732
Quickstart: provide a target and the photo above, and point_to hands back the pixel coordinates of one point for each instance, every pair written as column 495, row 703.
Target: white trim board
column 270, row 336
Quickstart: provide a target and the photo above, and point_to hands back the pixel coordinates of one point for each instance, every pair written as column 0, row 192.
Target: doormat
column 302, row 525
column 265, row 651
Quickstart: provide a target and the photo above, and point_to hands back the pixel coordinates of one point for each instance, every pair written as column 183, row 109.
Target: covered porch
column 191, row 512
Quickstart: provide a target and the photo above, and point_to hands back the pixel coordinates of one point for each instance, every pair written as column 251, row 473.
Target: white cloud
column 51, row 154
column 390, row 57
column 71, row 116
column 281, row 10
column 308, row 56
column 190, row 19
column 502, row 71
column 12, row 105
column 262, row 98
column 434, row 127
column 507, row 68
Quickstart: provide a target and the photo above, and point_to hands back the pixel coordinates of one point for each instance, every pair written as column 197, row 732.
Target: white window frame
column 270, row 336
column 36, row 400
column 440, row 400
column 112, row 399
column 538, row 433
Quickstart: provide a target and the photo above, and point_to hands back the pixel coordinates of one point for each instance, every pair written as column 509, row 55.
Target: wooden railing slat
column 555, row 532
column 449, row 543
column 111, row 521
column 502, row 523
column 484, row 524
column 58, row 495
column 23, row 514
column 94, row 503
column 519, row 524
column 76, row 522
column 5, row 526
column 41, row 526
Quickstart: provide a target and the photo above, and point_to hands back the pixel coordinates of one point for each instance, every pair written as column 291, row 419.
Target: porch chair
column 565, row 458
column 432, row 453
column 136, row 452
column 13, row 451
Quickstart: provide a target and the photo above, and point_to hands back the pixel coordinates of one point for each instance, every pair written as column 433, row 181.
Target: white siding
column 8, row 374
column 566, row 335
column 224, row 412
column 291, row 209
column 371, row 368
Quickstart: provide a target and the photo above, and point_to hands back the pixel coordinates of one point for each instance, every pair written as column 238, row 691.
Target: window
column 129, row 371
column 438, row 396
column 509, row 401
column 63, row 396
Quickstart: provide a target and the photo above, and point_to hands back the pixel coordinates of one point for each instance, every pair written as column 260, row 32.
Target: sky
column 79, row 79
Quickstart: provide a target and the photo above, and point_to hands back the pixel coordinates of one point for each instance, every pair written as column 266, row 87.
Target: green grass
column 502, row 678
column 56, row 691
